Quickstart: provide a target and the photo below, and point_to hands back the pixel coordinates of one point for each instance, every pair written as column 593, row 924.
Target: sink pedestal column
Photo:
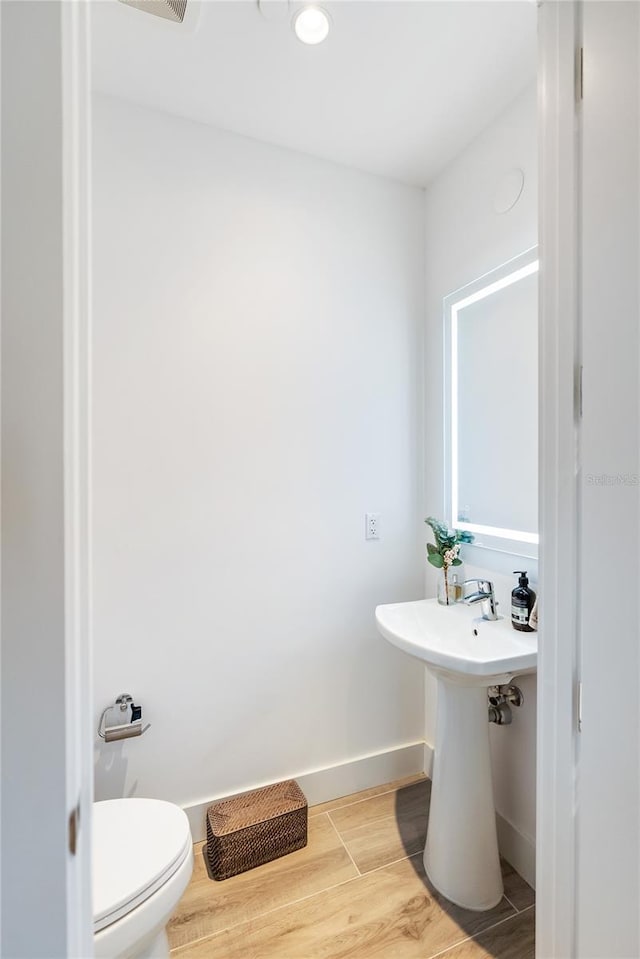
column 461, row 856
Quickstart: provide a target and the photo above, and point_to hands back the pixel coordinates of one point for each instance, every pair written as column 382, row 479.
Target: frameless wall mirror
column 491, row 407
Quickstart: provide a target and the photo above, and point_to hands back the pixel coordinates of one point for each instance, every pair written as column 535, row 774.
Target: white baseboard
column 332, row 782
column 428, row 760
column 519, row 850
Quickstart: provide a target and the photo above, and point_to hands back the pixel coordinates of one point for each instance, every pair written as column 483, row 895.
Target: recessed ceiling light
column 311, row 25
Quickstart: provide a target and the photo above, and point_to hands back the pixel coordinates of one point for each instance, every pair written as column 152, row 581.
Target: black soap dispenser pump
column 522, row 600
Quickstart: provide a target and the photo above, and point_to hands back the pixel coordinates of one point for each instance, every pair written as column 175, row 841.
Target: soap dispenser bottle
column 522, row 600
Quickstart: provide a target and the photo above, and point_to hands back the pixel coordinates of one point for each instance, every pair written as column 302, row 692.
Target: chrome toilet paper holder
column 125, row 728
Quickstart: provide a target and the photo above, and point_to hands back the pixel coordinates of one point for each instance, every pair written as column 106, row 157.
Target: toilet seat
column 138, row 844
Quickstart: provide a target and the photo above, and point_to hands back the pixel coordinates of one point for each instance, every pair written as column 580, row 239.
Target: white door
column 46, row 716
column 588, row 869
column 608, row 793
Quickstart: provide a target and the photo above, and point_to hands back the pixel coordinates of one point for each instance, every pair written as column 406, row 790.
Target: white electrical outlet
column 372, row 529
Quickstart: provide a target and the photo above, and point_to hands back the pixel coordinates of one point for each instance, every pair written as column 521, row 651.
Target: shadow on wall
column 110, row 769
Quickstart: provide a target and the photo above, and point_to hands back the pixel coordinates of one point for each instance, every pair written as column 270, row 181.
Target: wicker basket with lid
column 256, row 827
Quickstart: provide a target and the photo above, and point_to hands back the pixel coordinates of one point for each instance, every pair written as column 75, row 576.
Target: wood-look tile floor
column 357, row 891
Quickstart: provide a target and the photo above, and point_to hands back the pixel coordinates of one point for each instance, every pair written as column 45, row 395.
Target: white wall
column 258, row 324
column 465, row 238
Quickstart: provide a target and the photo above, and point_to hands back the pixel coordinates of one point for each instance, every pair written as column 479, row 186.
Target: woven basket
column 249, row 830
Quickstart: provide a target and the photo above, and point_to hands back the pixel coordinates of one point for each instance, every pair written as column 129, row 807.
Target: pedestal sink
column 466, row 654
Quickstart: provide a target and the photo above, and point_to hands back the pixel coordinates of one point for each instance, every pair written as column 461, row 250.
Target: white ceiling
column 398, row 88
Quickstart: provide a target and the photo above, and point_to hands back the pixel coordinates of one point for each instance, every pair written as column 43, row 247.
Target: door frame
column 76, row 117
column 47, row 764
column 558, row 41
column 558, row 685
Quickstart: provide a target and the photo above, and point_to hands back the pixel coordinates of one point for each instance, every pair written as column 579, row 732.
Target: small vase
column 445, row 591
column 449, row 586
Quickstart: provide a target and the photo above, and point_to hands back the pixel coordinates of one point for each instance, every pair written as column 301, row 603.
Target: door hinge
column 74, row 828
column 579, row 707
column 580, row 74
column 580, row 377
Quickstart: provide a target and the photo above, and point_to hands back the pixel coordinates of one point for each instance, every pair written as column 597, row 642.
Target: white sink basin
column 466, row 654
column 458, row 645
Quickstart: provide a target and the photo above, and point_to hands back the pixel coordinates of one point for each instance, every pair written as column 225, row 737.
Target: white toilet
column 142, row 863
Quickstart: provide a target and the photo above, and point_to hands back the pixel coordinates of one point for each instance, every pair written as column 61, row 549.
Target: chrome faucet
column 484, row 595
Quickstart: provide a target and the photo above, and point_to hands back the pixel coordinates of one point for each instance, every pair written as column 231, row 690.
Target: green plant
column 446, row 551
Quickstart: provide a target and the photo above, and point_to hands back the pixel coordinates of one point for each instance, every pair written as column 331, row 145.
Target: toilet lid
column 137, row 846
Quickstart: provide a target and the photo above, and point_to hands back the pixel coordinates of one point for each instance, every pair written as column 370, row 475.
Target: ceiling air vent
column 169, row 9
